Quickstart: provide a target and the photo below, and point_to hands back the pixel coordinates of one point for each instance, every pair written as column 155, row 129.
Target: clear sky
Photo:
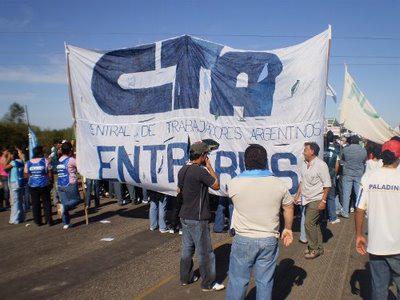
column 366, row 35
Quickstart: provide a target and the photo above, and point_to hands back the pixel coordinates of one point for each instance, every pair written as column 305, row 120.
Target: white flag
column 136, row 108
column 359, row 116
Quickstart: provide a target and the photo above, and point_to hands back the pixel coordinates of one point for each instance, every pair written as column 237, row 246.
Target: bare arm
column 215, row 186
column 298, row 194
column 361, row 241
column 322, row 204
column 288, row 215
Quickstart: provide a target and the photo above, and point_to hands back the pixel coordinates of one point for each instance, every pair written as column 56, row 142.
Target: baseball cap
column 392, row 146
column 199, row 148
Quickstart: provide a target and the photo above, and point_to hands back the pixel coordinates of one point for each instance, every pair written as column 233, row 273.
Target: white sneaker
column 215, row 287
column 66, row 226
column 164, row 231
column 172, row 231
column 180, row 232
column 352, row 209
column 336, row 221
column 194, row 279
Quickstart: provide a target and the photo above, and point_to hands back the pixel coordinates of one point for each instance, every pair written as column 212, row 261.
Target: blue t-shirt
column 16, row 174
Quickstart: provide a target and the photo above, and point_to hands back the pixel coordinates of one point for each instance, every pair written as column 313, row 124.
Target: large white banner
column 137, row 108
column 358, row 115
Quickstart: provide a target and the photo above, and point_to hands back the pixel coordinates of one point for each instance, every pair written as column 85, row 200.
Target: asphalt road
column 52, row 263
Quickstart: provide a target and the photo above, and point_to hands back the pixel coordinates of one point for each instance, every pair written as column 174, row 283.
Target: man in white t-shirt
column 258, row 197
column 380, row 197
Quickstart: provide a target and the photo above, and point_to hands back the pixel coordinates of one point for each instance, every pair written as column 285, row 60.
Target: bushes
column 16, row 134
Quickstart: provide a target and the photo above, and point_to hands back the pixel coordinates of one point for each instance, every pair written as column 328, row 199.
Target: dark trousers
column 4, row 193
column 173, row 213
column 196, row 236
column 39, row 196
column 92, row 184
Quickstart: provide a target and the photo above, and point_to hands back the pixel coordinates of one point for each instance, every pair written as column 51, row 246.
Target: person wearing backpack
column 67, row 183
column 40, row 178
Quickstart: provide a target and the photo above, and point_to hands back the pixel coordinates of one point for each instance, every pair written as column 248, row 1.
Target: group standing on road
column 350, row 176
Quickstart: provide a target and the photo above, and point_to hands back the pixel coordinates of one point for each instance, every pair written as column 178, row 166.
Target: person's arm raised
column 210, row 169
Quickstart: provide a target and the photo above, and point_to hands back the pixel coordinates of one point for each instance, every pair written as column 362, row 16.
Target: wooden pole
column 71, row 97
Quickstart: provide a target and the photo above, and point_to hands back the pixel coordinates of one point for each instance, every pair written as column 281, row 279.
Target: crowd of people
column 352, row 174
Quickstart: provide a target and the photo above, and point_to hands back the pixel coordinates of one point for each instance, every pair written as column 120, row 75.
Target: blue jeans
column 158, row 203
column 69, row 197
column 118, row 192
column 348, row 183
column 383, row 269
column 219, row 223
column 17, row 212
column 259, row 254
column 303, row 236
column 92, row 184
column 196, row 236
column 331, row 202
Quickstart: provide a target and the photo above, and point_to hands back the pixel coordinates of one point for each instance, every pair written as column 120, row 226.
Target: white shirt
column 313, row 180
column 380, row 197
column 372, row 164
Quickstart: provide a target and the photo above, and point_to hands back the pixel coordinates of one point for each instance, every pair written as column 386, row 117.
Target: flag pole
column 27, row 115
column 71, row 98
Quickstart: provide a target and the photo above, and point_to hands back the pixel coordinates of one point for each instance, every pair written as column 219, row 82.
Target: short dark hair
column 66, row 148
column 15, row 154
column 256, row 157
column 374, row 149
column 388, row 157
column 395, row 138
column 37, row 152
column 330, row 137
column 313, row 146
column 354, row 140
column 193, row 155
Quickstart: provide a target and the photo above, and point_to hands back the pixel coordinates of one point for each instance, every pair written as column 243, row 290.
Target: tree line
column 14, row 130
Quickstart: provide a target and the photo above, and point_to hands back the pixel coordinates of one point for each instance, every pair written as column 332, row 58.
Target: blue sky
column 32, row 35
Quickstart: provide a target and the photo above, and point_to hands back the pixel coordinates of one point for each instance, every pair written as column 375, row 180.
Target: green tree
column 15, row 114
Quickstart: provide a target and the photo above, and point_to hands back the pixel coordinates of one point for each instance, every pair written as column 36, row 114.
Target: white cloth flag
column 137, row 108
column 358, row 115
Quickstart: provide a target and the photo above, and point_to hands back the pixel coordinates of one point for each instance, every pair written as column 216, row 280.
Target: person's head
column 395, row 138
column 391, row 153
column 373, row 150
column 37, row 152
column 198, row 152
column 57, row 142
column 330, row 137
column 354, row 140
column 255, row 157
column 66, row 148
column 14, row 154
column 311, row 150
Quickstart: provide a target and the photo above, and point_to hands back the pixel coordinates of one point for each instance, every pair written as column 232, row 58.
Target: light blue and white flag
column 33, row 142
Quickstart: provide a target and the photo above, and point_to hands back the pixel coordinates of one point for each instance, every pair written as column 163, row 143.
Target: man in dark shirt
column 331, row 158
column 353, row 161
column 194, row 179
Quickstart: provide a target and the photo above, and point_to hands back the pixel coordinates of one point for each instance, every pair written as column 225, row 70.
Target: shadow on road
column 360, row 283
column 287, row 274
